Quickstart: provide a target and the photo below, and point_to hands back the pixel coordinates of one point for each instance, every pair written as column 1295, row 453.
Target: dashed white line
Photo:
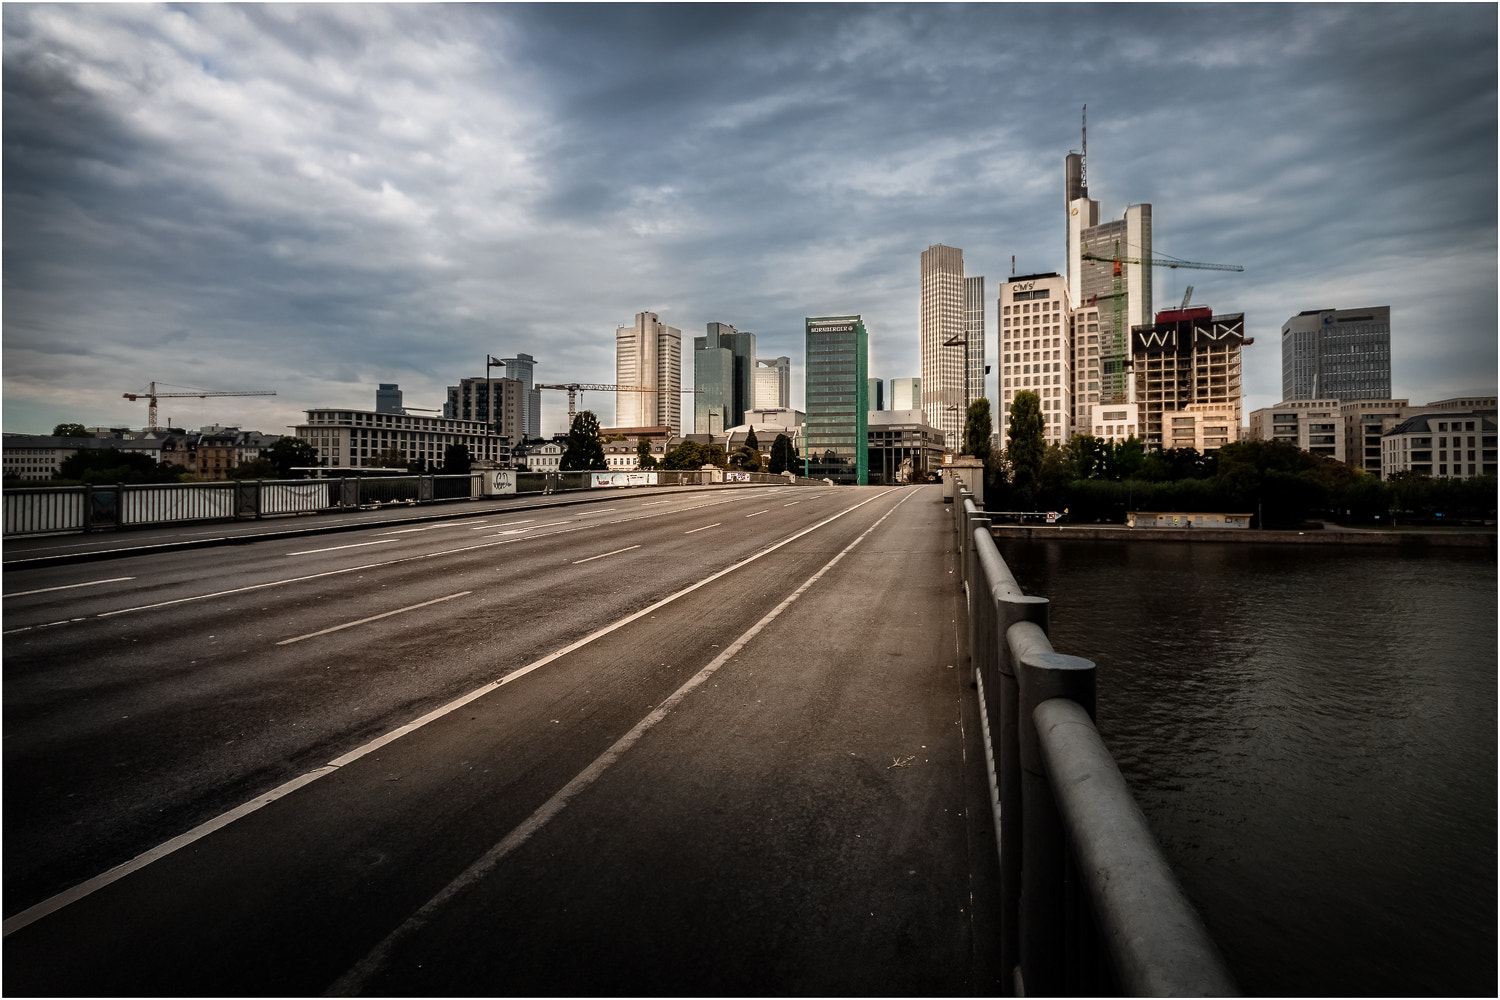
column 603, row 554
column 335, row 548
column 372, row 618
column 704, row 528
column 792, row 504
column 502, row 524
column 758, row 512
column 70, row 586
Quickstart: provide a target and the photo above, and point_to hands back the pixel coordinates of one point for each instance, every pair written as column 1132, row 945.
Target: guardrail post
column 1005, row 728
column 1042, row 675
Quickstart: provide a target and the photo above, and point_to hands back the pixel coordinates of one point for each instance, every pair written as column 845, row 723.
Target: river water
column 1311, row 732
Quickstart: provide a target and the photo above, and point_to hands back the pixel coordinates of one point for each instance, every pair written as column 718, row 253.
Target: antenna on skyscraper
column 1083, row 164
column 1012, row 265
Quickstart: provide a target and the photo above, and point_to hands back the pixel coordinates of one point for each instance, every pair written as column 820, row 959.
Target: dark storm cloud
column 319, row 198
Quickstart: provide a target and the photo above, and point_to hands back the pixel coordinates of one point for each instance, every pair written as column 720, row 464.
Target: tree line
column 1099, row 481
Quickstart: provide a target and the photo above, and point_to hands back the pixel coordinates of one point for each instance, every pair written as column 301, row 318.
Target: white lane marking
column 603, row 554
column 76, row 893
column 757, row 512
column 654, row 503
column 503, row 524
column 52, row 905
column 704, row 528
column 369, row 566
column 351, row 982
column 517, row 531
column 372, row 618
column 792, row 504
column 335, row 548
column 70, row 586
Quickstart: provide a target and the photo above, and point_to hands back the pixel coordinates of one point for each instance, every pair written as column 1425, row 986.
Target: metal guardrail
column 1089, row 905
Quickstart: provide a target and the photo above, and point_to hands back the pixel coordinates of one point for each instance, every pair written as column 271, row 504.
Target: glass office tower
column 835, row 438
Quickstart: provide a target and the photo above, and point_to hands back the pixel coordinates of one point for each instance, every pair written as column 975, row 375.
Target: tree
column 1025, row 446
column 456, row 461
column 584, row 451
column 71, row 431
column 783, row 456
column 687, row 455
column 390, row 458
column 750, row 441
column 108, row 465
column 256, row 468
column 745, row 459
column 288, row 453
column 643, row 457
column 977, row 429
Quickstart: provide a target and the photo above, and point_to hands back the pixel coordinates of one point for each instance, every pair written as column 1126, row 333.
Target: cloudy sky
column 316, row 199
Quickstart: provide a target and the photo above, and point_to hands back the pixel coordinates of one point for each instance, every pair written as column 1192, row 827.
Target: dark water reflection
column 1312, row 734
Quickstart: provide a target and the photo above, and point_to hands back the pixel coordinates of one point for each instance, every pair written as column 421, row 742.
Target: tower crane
column 153, row 396
column 574, row 388
column 1116, row 364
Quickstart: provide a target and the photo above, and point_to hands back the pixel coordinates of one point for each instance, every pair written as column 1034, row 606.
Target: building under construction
column 1186, row 378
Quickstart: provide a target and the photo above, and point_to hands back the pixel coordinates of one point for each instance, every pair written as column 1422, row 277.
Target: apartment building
column 1186, row 378
column 1445, row 444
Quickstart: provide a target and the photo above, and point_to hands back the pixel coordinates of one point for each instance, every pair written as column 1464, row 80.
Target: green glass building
column 835, row 437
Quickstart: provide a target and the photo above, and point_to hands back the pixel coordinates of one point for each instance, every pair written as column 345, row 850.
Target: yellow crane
column 153, row 396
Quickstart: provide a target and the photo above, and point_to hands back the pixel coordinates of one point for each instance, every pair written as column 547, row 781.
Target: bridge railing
column 1089, row 905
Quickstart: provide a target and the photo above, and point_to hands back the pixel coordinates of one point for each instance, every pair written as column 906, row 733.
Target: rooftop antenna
column 1083, row 165
column 1012, row 265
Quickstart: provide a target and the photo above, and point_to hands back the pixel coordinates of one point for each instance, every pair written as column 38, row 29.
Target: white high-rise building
column 944, row 350
column 1037, row 352
column 906, row 394
column 649, row 355
column 773, row 384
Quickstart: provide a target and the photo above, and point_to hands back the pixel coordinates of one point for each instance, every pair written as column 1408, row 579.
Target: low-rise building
column 899, row 442
column 1314, row 425
column 1453, row 444
column 347, row 439
column 1366, row 421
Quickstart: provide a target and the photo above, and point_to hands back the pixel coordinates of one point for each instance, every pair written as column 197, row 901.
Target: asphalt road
column 705, row 742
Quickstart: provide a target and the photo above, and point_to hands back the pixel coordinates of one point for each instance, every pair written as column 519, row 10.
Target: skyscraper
column 388, row 398
column 875, row 393
column 1038, row 352
column 944, row 351
column 836, row 436
column 906, row 394
column 1118, row 291
column 649, row 355
column 773, row 384
column 1342, row 354
column 520, row 368
column 974, row 336
column 729, row 396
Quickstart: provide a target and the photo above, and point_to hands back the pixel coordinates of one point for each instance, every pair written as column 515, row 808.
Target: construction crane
column 574, row 388
column 153, row 396
column 1115, row 366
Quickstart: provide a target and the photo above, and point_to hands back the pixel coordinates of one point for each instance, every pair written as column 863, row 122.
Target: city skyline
column 319, row 200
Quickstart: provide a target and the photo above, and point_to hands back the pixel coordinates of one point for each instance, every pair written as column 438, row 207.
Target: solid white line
column 603, row 554
column 62, row 899
column 351, row 982
column 758, row 512
column 704, row 528
column 335, row 548
column 91, row 583
column 372, row 618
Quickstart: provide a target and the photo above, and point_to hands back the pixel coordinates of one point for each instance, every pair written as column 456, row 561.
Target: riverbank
column 1406, row 539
